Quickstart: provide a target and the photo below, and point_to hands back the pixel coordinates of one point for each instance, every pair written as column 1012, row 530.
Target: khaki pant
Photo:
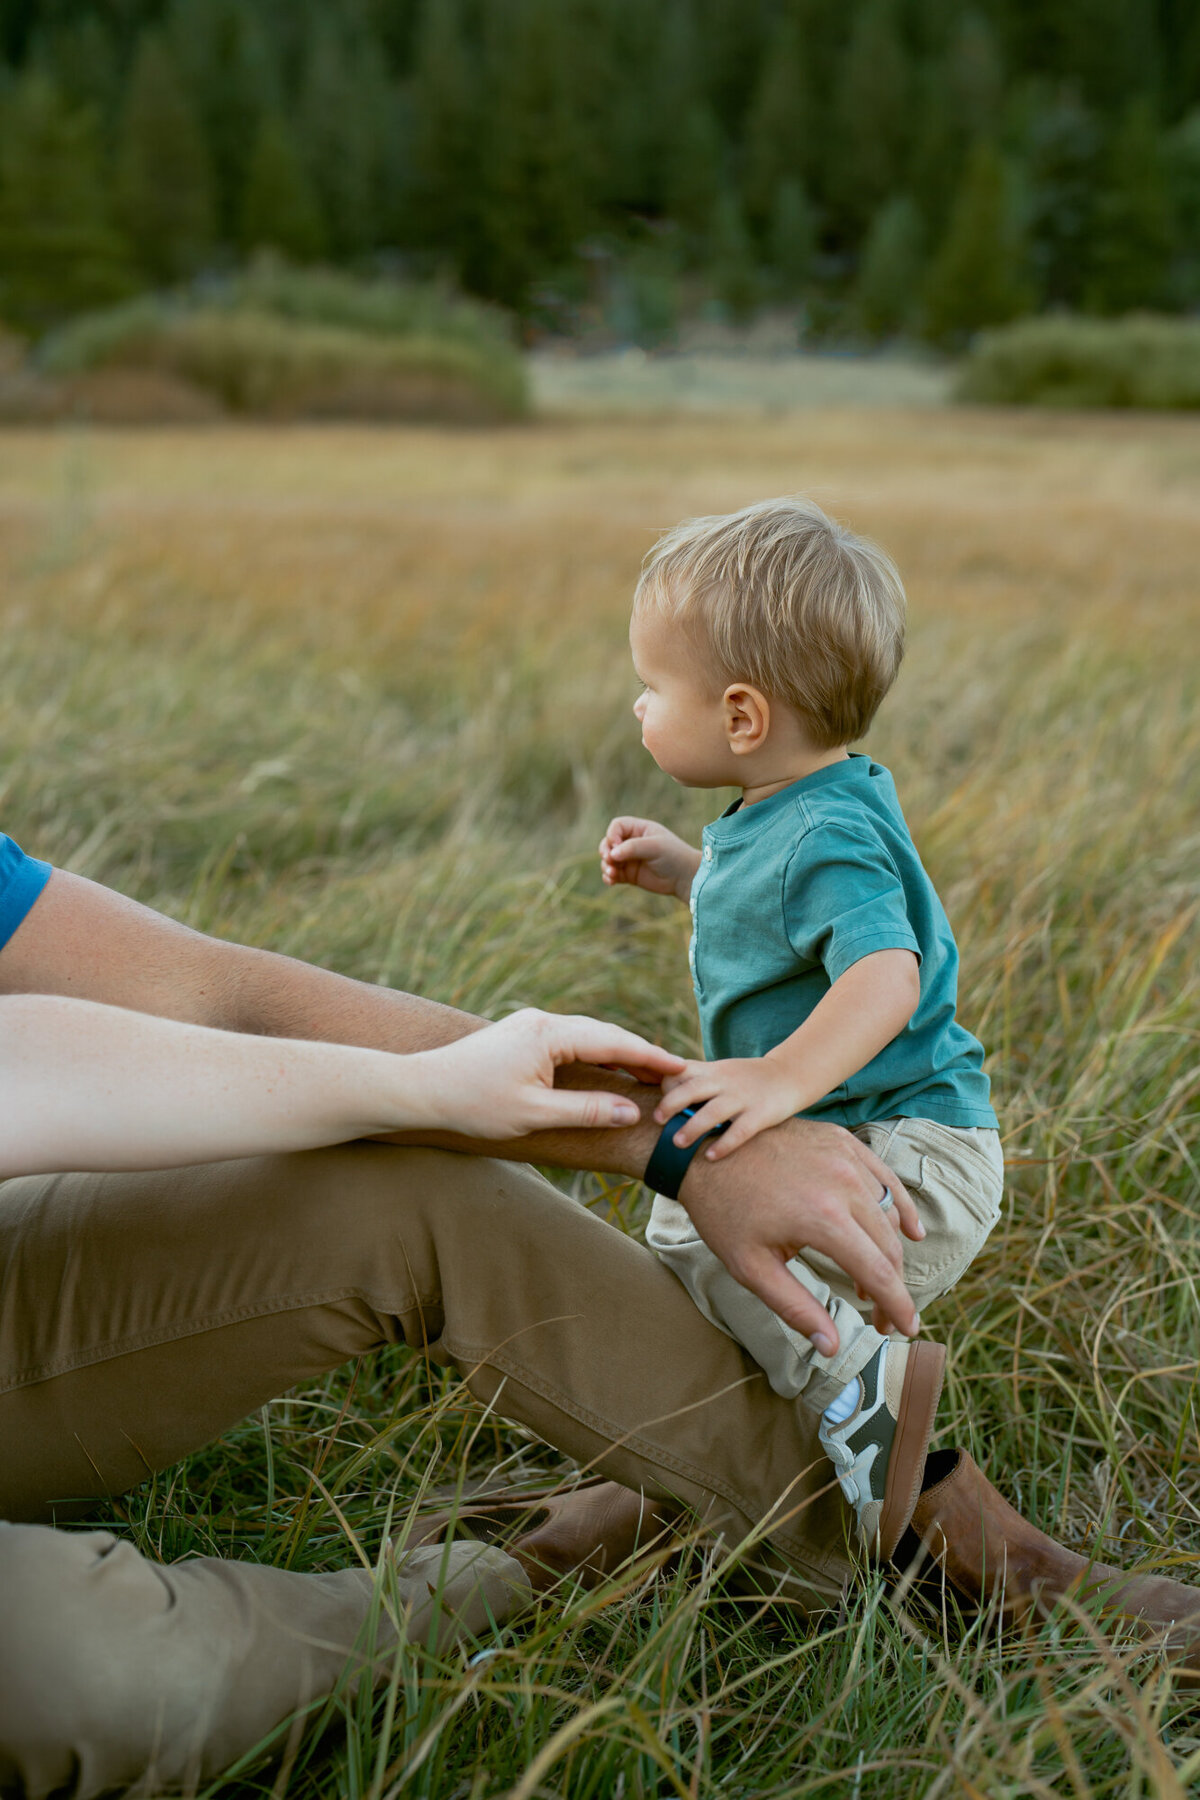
column 142, row 1315
column 956, row 1178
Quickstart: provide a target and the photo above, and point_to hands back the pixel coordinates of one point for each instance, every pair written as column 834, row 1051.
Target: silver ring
column 886, row 1199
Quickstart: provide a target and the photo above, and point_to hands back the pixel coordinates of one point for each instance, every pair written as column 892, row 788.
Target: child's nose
column 639, row 708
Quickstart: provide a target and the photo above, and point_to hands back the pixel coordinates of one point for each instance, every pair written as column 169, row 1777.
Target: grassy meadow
column 363, row 696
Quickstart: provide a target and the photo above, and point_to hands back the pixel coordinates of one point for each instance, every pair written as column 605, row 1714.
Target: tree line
column 895, row 165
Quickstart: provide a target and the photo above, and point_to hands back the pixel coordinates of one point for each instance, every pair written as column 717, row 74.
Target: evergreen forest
column 890, row 167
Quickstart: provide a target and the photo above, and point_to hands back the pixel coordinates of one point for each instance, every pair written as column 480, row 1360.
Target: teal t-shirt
column 789, row 894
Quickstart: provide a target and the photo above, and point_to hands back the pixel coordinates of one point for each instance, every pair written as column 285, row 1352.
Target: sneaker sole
column 914, row 1428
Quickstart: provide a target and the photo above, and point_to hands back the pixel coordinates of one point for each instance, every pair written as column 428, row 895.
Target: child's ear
column 747, row 718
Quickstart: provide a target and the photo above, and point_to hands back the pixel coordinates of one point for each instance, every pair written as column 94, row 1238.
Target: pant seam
column 642, row 1446
column 153, row 1339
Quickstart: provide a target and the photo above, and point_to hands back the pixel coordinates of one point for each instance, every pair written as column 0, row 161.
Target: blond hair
column 783, row 597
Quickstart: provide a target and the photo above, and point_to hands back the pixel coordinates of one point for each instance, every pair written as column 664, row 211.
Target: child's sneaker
column 877, row 1438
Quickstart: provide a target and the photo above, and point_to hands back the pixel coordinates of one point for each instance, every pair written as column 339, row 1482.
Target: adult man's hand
column 806, row 1186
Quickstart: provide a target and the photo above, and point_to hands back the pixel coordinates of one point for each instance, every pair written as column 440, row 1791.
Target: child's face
column 681, row 717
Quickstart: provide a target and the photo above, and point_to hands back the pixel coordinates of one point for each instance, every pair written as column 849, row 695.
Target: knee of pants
column 376, row 1219
column 934, row 1266
column 62, row 1655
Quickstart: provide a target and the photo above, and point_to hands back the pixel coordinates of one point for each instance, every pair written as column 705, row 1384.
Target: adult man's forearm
column 84, row 941
column 277, row 996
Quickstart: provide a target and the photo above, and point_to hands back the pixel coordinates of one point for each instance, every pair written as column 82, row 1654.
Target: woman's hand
column 84, row 1086
column 499, row 1083
column 645, row 854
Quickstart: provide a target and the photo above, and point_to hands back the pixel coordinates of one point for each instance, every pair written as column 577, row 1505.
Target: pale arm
column 84, row 1086
column 864, row 1009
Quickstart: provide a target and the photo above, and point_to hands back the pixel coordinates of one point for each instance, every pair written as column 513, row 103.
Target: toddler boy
column 824, row 967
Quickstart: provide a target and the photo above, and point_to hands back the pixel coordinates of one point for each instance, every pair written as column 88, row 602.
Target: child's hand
column 750, row 1091
column 647, row 855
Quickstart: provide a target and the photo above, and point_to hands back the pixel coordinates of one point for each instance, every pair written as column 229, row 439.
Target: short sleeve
column 22, row 879
column 843, row 899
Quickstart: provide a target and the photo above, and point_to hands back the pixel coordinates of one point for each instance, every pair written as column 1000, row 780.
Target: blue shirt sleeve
column 843, row 899
column 22, row 879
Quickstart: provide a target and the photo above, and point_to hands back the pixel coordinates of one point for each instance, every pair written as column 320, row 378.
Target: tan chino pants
column 142, row 1315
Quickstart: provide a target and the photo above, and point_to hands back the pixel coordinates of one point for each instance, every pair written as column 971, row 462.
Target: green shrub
column 1141, row 360
column 262, row 360
column 378, row 306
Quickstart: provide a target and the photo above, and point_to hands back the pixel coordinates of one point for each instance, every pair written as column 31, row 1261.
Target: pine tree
column 977, row 277
column 734, row 275
column 164, row 178
column 681, row 122
column 229, row 73
column 280, row 210
column 532, row 206
column 792, row 238
column 692, row 177
column 610, row 53
column 1133, row 233
column 887, row 291
column 1183, row 162
column 445, row 146
column 731, row 38
column 778, row 140
column 939, row 146
column 59, row 250
column 1061, row 161
column 336, row 145
column 345, row 118
column 974, row 75
column 872, row 112
column 81, row 56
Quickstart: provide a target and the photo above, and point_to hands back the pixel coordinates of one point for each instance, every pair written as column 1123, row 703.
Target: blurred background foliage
column 911, row 168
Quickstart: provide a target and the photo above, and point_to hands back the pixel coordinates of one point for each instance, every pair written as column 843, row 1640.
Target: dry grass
column 363, row 696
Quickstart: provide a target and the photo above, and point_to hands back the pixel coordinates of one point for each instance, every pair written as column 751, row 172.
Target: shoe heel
column 914, row 1427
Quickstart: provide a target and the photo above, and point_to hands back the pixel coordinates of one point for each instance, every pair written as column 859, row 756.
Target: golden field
column 363, row 695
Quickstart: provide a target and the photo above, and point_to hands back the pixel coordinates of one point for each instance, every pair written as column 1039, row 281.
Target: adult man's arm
column 799, row 1186
column 85, row 941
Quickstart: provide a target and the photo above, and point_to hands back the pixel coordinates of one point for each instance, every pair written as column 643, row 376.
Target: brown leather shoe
column 587, row 1532
column 995, row 1557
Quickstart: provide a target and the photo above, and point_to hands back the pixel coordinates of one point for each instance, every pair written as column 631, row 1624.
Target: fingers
column 620, row 861
column 576, row 1038
column 617, row 847
column 767, row 1276
column 906, row 1212
column 695, row 1084
column 872, row 1269
column 621, row 831
column 568, row 1108
column 880, row 1227
column 745, row 1126
column 706, row 1119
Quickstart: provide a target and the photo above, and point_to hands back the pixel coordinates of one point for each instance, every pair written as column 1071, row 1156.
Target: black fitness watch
column 668, row 1163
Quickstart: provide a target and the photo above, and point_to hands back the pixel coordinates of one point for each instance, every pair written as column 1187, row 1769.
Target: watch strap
column 668, row 1163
